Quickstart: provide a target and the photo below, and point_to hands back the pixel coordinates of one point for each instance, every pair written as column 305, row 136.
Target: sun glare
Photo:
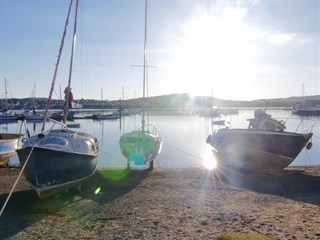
column 215, row 52
column 209, row 160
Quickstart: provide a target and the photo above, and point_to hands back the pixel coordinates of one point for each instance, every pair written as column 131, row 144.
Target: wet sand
column 167, row 204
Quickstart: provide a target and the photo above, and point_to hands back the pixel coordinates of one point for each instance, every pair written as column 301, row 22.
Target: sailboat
column 7, row 115
column 57, row 159
column 33, row 115
column 309, row 108
column 102, row 115
column 142, row 146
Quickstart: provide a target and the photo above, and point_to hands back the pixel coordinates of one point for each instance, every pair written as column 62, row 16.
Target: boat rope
column 316, row 136
column 113, row 157
column 16, row 182
column 308, row 159
column 177, row 149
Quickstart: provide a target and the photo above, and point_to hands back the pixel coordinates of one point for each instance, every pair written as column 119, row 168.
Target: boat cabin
column 264, row 121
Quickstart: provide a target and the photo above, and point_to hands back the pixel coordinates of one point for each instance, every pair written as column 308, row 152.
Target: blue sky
column 240, row 50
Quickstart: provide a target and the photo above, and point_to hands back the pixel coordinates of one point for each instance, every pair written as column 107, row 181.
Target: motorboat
column 264, row 145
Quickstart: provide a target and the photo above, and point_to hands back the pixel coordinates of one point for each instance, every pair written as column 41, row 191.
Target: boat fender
column 208, row 139
column 41, row 135
column 309, row 145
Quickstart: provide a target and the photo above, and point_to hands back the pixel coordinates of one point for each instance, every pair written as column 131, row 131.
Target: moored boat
column 209, row 112
column 263, row 146
column 9, row 116
column 307, row 111
column 59, row 158
column 8, row 145
column 109, row 116
column 33, row 116
column 142, row 146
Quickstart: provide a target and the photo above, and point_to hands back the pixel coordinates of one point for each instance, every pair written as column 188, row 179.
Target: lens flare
column 97, row 191
column 209, row 160
column 210, row 164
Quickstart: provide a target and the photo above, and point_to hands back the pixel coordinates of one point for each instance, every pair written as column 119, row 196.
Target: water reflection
column 184, row 138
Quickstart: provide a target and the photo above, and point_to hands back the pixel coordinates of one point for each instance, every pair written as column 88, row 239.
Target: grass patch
column 114, row 174
column 243, row 236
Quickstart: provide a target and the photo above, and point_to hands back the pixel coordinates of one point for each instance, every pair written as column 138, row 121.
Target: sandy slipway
column 167, row 204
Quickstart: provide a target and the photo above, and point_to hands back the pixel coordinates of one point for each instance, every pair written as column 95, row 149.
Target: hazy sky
column 240, row 50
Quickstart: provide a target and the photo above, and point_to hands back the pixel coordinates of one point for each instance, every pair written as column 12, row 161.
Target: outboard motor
column 208, row 140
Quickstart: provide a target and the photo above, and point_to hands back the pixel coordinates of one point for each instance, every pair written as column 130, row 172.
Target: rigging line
column 316, row 136
column 85, row 72
column 84, row 52
column 9, row 91
column 167, row 156
column 308, row 157
column 115, row 158
column 57, row 65
column 59, row 97
column 16, row 182
column 177, row 149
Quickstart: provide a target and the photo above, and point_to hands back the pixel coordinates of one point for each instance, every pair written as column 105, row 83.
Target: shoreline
column 184, row 203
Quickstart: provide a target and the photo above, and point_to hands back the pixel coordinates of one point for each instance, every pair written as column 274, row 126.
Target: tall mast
column 144, row 62
column 101, row 102
column 5, row 93
column 56, row 68
column 71, row 61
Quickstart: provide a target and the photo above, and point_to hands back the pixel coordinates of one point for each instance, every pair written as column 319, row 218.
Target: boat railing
column 42, row 134
column 150, row 128
column 298, row 125
column 63, row 125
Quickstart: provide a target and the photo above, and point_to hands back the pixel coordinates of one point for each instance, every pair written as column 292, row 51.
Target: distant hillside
column 182, row 101
column 186, row 101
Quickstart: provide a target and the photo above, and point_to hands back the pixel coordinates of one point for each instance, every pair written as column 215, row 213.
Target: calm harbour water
column 184, row 137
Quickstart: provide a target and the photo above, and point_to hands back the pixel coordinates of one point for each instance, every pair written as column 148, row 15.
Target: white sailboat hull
column 140, row 148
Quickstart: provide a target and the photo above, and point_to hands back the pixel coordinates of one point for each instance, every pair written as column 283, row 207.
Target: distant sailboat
column 7, row 115
column 309, row 108
column 142, row 146
column 57, row 159
column 33, row 115
column 102, row 115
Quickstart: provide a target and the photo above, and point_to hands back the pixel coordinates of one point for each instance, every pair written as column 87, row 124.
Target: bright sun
column 208, row 159
column 215, row 52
